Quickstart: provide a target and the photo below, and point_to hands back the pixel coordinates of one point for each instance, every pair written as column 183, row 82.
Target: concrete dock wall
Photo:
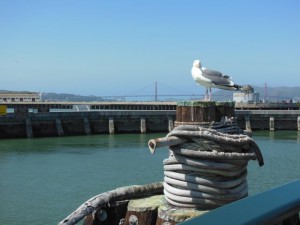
column 48, row 124
column 82, row 123
column 268, row 119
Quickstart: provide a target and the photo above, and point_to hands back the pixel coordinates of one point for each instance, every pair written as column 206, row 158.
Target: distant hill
column 272, row 93
column 281, row 93
column 70, row 98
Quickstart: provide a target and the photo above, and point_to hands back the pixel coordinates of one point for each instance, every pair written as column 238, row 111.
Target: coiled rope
column 207, row 167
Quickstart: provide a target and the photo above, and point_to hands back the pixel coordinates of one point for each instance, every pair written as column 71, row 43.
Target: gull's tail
column 238, row 87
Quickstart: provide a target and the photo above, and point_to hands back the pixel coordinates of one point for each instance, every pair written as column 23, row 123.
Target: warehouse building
column 11, row 96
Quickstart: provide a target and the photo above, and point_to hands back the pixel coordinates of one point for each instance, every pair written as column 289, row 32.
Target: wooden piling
column 143, row 211
column 172, row 215
column 202, row 112
column 112, row 215
column 298, row 123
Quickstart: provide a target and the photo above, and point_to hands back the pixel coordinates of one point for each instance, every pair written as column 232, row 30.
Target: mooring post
column 298, row 123
column 271, row 123
column 111, row 125
column 87, row 127
column 59, row 128
column 29, row 132
column 247, row 123
column 170, row 125
column 202, row 112
column 143, row 125
column 202, row 127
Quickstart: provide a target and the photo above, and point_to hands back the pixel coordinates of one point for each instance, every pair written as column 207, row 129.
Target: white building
column 245, row 97
column 296, row 100
column 11, row 96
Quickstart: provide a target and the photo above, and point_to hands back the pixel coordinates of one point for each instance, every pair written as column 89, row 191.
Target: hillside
column 70, row 98
column 272, row 94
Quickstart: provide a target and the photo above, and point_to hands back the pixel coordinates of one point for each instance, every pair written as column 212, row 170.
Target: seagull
column 212, row 79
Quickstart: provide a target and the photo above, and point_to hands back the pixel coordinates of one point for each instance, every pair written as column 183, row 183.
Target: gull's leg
column 206, row 94
column 210, row 94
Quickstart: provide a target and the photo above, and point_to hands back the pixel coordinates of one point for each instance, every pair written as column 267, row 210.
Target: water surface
column 43, row 180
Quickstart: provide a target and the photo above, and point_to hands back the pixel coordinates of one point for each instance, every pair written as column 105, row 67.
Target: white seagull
column 212, row 79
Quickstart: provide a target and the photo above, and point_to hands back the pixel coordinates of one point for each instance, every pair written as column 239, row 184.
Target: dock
column 46, row 119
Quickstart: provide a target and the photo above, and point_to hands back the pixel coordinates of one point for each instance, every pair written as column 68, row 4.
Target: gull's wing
column 216, row 77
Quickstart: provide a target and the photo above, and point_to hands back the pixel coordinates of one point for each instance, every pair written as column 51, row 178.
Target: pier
column 43, row 119
column 85, row 123
column 268, row 119
column 21, row 108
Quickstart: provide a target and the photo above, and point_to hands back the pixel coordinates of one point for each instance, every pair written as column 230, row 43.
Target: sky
column 122, row 47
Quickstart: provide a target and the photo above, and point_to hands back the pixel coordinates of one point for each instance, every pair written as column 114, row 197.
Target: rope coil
column 206, row 168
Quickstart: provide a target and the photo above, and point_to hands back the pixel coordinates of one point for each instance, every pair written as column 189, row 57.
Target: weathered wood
column 143, row 211
column 119, row 194
column 202, row 112
column 225, row 109
column 89, row 220
column 172, row 215
column 195, row 111
column 113, row 214
column 179, row 113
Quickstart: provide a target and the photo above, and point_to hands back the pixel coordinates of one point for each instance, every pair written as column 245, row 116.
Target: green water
column 43, row 180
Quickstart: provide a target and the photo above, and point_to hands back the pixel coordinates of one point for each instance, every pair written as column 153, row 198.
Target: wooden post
column 298, row 123
column 272, row 124
column 202, row 112
column 86, row 124
column 113, row 214
column 143, row 211
column 171, row 215
column 143, row 125
column 111, row 125
column 224, row 109
column 28, row 125
column 107, row 199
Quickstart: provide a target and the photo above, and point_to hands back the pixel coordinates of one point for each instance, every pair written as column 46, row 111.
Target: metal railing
column 270, row 207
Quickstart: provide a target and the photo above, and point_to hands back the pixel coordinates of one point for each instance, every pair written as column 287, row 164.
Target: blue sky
column 121, row 47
